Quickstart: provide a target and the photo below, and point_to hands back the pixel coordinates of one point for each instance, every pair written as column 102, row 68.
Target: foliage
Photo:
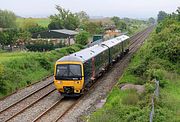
column 118, row 108
column 116, row 20
column 82, row 38
column 19, row 69
column 7, row 19
column 83, row 16
column 36, row 29
column 151, row 20
column 24, row 36
column 64, row 19
column 93, row 27
column 161, row 16
column 130, row 99
column 28, row 23
column 43, row 46
column 8, row 37
column 120, row 24
column 14, row 36
column 31, row 26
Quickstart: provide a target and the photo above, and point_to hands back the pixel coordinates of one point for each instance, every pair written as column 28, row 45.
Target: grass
column 7, row 56
column 121, row 106
column 41, row 21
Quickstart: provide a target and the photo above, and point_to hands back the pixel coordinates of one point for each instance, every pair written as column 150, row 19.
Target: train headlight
column 59, row 82
column 77, row 82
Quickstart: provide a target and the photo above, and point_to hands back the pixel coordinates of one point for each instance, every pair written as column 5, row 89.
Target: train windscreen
column 68, row 72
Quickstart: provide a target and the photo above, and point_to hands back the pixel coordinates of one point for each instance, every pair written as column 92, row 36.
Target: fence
column 156, row 94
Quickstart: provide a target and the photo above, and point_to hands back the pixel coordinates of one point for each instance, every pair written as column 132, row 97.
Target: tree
column 3, row 37
column 178, row 12
column 93, row 27
column 64, row 19
column 122, row 25
column 83, row 16
column 82, row 38
column 9, row 37
column 28, row 23
column 31, row 26
column 24, row 36
column 151, row 20
column 161, row 16
column 115, row 20
column 7, row 19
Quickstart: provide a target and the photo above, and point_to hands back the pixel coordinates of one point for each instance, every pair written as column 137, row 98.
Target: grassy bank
column 157, row 58
column 20, row 69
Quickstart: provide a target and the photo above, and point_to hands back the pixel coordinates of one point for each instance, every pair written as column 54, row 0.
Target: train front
column 68, row 77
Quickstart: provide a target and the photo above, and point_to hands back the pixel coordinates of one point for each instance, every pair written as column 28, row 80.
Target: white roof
column 110, row 43
column 65, row 31
column 90, row 52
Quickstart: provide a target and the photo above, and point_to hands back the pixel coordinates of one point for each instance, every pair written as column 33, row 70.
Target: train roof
column 112, row 42
column 88, row 53
column 84, row 54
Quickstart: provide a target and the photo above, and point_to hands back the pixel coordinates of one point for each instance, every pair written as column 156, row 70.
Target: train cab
column 69, row 75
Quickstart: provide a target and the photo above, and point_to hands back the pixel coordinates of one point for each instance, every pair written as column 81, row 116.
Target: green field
column 41, row 21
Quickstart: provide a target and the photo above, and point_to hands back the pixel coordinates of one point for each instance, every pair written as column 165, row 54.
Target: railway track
column 16, row 108
column 53, row 109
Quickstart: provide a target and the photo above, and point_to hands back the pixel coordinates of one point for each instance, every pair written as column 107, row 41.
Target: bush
column 42, row 47
column 82, row 38
column 130, row 99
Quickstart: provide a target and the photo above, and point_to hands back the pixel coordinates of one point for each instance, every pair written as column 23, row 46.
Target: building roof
column 61, row 33
column 65, row 31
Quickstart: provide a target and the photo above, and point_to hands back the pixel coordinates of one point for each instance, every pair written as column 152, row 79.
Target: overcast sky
column 106, row 8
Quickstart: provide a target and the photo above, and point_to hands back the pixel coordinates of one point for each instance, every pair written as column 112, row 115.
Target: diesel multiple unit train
column 76, row 72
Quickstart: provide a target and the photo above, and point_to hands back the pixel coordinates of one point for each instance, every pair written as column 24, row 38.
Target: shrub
column 130, row 99
column 82, row 38
column 149, row 88
column 42, row 47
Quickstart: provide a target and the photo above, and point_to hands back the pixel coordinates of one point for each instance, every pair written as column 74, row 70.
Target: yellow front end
column 75, row 85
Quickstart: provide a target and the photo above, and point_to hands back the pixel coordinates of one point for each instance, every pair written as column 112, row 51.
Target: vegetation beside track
column 157, row 58
column 20, row 69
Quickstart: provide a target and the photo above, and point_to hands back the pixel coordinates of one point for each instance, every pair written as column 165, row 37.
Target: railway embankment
column 20, row 69
column 157, row 59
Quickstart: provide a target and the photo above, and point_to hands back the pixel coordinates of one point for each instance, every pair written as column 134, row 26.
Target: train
column 75, row 73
